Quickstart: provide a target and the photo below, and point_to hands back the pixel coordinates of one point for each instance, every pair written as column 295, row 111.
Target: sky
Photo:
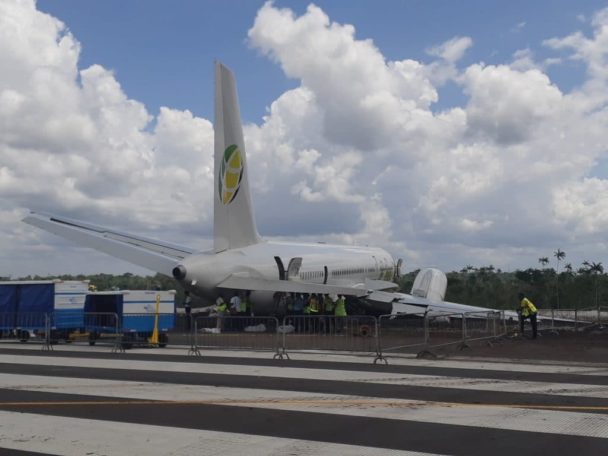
column 449, row 133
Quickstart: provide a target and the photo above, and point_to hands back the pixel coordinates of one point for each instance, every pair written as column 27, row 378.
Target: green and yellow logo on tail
column 231, row 173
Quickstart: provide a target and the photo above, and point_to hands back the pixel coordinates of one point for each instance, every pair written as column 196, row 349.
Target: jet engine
column 179, row 272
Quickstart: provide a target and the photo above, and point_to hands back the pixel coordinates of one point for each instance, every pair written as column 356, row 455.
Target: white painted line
column 511, row 365
column 516, row 386
column 510, row 386
column 73, row 436
column 494, row 416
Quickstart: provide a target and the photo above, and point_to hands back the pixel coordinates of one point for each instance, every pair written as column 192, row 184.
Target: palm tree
column 559, row 255
column 596, row 269
column 568, row 268
column 543, row 261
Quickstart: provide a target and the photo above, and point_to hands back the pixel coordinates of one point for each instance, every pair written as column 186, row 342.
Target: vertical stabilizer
column 234, row 224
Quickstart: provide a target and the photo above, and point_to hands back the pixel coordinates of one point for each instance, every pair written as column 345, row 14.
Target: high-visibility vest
column 314, row 305
column 221, row 308
column 306, row 310
column 244, row 305
column 329, row 304
column 340, row 308
column 527, row 308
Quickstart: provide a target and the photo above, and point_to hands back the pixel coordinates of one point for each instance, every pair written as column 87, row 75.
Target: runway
column 85, row 400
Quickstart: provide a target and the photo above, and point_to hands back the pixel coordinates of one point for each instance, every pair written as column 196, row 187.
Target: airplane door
column 325, row 272
column 293, row 270
column 281, row 267
column 397, row 273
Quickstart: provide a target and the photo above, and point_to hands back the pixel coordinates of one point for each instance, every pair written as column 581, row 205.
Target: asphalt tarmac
column 157, row 401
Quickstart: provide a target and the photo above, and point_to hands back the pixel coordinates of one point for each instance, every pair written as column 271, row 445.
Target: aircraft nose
column 179, row 272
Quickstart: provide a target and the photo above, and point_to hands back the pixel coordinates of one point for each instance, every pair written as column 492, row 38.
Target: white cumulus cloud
column 357, row 152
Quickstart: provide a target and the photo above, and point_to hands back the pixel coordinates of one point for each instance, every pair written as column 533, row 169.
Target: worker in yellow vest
column 527, row 310
column 243, row 306
column 340, row 307
column 221, row 309
column 328, row 309
column 340, row 313
column 313, row 304
column 306, row 310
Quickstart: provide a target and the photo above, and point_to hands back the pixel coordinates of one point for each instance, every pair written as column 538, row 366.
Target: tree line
column 547, row 287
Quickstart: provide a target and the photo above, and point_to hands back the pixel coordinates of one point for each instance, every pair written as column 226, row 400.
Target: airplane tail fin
column 234, row 224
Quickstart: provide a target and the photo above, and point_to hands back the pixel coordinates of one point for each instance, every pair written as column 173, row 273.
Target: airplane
column 241, row 260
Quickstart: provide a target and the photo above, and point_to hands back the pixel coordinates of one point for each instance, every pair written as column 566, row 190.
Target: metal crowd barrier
column 75, row 326
column 234, row 332
column 421, row 332
column 483, row 325
column 395, row 334
column 103, row 327
column 446, row 328
column 51, row 327
column 402, row 333
column 598, row 315
column 577, row 318
column 327, row 332
column 22, row 326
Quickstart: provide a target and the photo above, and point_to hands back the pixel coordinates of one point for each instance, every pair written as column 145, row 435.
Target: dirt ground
column 591, row 347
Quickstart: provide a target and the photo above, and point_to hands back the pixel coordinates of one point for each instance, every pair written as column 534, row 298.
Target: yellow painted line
column 317, row 402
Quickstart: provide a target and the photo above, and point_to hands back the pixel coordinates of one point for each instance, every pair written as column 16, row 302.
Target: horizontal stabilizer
column 148, row 253
column 237, row 282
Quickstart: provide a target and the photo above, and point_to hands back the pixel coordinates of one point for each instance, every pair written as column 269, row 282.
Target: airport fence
column 235, row 333
column 575, row 318
column 424, row 332
column 51, row 327
column 402, row 333
column 301, row 333
column 483, row 325
column 72, row 326
column 146, row 329
column 22, row 326
column 387, row 334
column 394, row 334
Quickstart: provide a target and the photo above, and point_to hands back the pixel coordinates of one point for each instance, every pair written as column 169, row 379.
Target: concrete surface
column 86, row 400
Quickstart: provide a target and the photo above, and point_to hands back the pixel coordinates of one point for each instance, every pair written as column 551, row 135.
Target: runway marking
column 559, row 420
column 460, row 362
column 75, row 436
column 416, row 380
column 358, row 402
column 136, row 395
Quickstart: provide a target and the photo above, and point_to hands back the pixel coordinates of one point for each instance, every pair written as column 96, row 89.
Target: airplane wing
column 403, row 303
column 380, row 285
column 246, row 282
column 149, row 253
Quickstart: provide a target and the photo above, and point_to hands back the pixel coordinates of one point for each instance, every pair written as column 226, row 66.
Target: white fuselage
column 321, row 263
